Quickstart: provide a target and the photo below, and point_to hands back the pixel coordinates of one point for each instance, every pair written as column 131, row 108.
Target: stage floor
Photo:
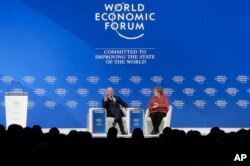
column 203, row 131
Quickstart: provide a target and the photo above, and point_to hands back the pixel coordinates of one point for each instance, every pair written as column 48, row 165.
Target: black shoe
column 123, row 132
column 153, row 132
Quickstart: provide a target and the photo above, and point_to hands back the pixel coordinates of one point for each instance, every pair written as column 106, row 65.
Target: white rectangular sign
column 16, row 106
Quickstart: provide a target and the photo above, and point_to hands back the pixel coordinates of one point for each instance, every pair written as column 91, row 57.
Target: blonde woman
column 158, row 108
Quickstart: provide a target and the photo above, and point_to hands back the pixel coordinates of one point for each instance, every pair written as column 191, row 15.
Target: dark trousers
column 117, row 114
column 156, row 118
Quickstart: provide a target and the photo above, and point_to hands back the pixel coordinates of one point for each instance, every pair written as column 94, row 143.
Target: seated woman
column 158, row 108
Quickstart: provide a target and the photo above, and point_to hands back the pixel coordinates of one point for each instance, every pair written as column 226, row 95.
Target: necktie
column 112, row 99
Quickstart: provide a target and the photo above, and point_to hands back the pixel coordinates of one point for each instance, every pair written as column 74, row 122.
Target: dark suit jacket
column 111, row 106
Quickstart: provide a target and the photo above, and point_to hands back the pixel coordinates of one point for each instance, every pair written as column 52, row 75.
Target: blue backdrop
column 65, row 55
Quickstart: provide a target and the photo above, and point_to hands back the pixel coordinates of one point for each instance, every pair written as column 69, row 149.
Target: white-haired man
column 112, row 104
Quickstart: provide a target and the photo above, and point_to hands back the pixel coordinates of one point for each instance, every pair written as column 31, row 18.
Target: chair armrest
column 147, row 113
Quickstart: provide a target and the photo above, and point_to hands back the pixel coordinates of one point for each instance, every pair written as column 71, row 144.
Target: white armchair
column 125, row 121
column 165, row 121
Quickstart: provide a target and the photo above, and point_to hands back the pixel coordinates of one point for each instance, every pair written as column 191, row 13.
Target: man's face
column 110, row 92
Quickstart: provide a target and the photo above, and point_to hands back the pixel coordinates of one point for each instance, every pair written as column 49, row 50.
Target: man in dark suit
column 112, row 104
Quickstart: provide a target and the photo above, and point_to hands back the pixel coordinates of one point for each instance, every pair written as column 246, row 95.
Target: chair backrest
column 168, row 117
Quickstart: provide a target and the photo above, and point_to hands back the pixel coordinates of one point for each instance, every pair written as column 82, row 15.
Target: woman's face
column 156, row 93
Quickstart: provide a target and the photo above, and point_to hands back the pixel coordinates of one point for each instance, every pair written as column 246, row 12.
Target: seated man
column 112, row 104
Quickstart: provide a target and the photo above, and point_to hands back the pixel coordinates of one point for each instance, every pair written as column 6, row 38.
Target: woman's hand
column 156, row 105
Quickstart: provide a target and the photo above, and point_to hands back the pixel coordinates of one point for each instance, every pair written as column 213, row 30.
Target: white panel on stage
column 16, row 106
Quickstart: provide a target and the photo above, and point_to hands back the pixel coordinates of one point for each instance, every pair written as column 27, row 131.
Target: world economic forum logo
column 146, row 91
column 157, row 79
column 50, row 79
column 189, row 91
column 7, row 79
column 243, row 103
column 232, row 91
column 82, row 91
column 221, row 79
column 210, row 91
column 200, row 103
column 114, row 79
column 125, row 91
column 178, row 79
column 71, row 79
column 3, row 104
column 51, row 104
column 127, row 20
column 178, row 104
column 199, row 79
column 40, row 92
column 221, row 103
column 71, row 104
column 61, row 92
column 136, row 121
column 102, row 91
column 93, row 79
column 93, row 103
column 31, row 104
column 99, row 122
column 29, row 79
column 248, row 90
column 168, row 91
column 135, row 79
column 242, row 79
column 136, row 103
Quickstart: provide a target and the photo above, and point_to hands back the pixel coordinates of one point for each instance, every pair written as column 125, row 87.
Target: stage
column 56, row 66
column 203, row 131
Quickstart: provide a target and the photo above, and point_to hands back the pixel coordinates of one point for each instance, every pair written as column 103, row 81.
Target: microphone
column 20, row 85
column 8, row 88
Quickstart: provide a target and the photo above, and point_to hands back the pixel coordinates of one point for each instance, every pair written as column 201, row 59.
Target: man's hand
column 106, row 98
